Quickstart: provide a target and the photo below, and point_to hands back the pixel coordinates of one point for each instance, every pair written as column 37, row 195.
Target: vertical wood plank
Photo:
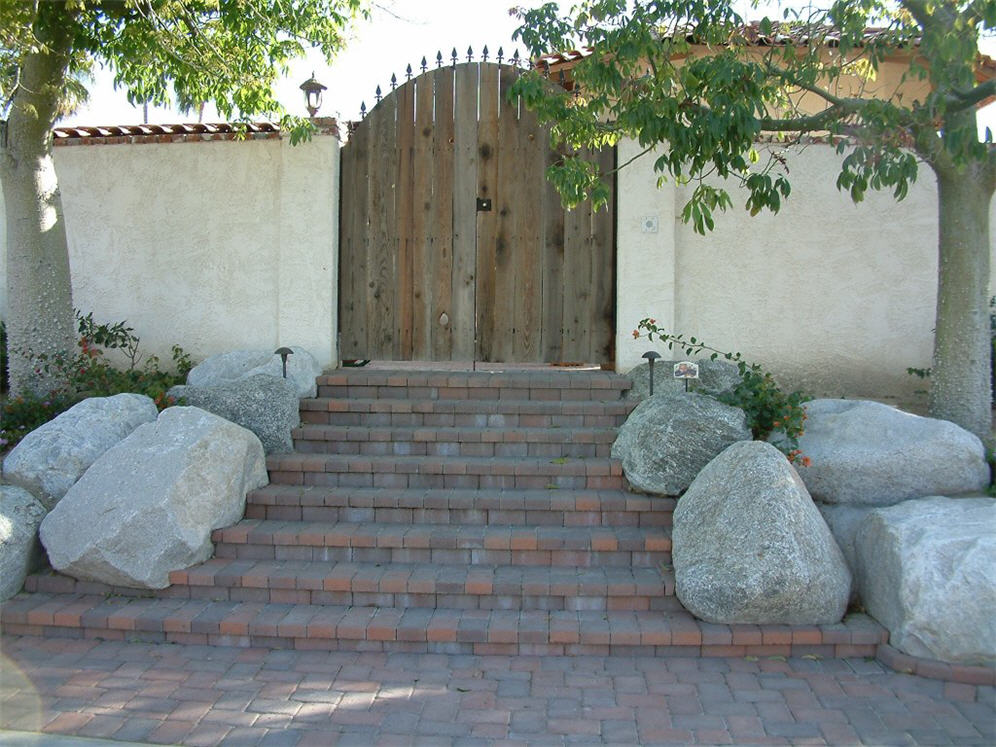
column 603, row 268
column 383, row 240
column 553, row 269
column 405, row 201
column 576, row 281
column 487, row 222
column 441, row 218
column 359, row 241
column 528, row 279
column 347, row 232
column 507, row 205
column 422, row 254
column 463, row 321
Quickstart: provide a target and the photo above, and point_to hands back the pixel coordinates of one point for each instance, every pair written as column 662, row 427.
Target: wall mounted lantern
column 312, row 94
column 651, row 356
column 283, row 353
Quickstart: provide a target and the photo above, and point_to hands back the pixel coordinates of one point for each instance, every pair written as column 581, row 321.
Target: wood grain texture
column 425, row 275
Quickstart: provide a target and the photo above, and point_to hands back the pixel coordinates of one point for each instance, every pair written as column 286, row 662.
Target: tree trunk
column 39, row 313
column 960, row 381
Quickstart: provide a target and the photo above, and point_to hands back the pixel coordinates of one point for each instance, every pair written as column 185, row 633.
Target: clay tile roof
column 782, row 35
column 144, row 130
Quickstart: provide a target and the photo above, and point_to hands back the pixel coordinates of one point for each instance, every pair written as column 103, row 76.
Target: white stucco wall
column 831, row 296
column 216, row 246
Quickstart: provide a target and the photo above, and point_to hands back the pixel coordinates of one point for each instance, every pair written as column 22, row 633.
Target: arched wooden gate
column 454, row 246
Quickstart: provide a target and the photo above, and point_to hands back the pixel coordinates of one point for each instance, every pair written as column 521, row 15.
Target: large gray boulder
column 715, row 377
column 844, row 522
column 53, row 456
column 225, row 368
column 148, row 505
column 927, row 572
column 750, row 546
column 669, row 437
column 266, row 405
column 870, row 453
column 20, row 553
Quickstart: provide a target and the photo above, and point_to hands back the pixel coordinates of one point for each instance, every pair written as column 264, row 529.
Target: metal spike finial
column 425, row 64
column 470, row 54
column 453, row 54
column 439, row 58
column 378, row 94
column 484, row 54
column 515, row 58
column 394, row 81
column 363, row 110
column 501, row 53
column 408, row 72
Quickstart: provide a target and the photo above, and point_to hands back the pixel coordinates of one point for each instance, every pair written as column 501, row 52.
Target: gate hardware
column 484, row 204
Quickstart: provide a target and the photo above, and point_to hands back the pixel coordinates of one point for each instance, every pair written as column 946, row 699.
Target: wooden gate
column 453, row 245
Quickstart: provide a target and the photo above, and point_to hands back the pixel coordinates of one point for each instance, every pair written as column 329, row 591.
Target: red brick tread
column 400, row 585
column 419, row 629
column 602, row 381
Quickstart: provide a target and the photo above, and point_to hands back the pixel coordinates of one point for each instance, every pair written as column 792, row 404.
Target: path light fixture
column 283, row 353
column 312, row 94
column 651, row 356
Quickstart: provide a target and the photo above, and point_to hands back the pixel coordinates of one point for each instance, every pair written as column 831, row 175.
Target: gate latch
column 484, row 204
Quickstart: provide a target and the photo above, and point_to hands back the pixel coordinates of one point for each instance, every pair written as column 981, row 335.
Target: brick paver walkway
column 199, row 695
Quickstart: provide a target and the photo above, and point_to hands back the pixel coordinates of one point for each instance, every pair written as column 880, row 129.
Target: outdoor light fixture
column 651, row 356
column 283, row 353
column 312, row 94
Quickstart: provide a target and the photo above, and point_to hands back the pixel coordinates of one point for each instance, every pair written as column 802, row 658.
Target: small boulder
column 715, row 377
column 302, row 369
column 20, row 553
column 844, row 522
column 266, row 405
column 927, row 572
column 870, row 453
column 53, row 456
column 669, row 437
column 750, row 546
column 149, row 504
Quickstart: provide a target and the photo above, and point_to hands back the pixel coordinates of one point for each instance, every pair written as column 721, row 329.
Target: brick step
column 477, row 442
column 344, row 470
column 493, row 507
column 399, row 585
column 481, row 385
column 464, row 413
column 253, row 539
column 505, row 632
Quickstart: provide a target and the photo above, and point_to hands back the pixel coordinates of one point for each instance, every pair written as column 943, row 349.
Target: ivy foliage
column 229, row 52
column 687, row 80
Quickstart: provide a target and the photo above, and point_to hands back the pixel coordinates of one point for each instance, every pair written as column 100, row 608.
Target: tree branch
column 959, row 101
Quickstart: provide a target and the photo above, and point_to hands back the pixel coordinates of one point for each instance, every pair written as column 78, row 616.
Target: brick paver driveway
column 197, row 695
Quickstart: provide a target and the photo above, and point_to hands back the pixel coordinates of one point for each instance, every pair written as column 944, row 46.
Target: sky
column 398, row 33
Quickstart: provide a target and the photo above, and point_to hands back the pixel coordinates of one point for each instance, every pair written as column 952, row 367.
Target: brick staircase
column 460, row 513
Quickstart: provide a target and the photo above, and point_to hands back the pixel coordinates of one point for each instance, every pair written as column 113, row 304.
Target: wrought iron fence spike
column 363, row 110
column 470, row 54
column 515, row 58
column 394, row 81
column 439, row 58
column 425, row 64
column 377, row 94
column 408, row 72
column 501, row 53
column 484, row 53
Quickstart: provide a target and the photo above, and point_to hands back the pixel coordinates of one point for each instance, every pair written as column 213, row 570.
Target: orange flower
column 636, row 334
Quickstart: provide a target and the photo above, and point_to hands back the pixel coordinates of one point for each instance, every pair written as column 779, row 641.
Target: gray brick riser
column 474, row 517
column 460, row 420
column 510, row 602
column 403, row 481
column 308, row 643
column 443, row 393
column 452, row 449
column 459, row 556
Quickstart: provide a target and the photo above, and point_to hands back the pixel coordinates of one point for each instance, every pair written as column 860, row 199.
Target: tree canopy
column 697, row 86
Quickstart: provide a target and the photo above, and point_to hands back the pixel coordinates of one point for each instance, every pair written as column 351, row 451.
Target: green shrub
column 769, row 410
column 87, row 373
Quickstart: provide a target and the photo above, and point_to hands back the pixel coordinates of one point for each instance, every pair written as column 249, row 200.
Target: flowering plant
column 769, row 410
